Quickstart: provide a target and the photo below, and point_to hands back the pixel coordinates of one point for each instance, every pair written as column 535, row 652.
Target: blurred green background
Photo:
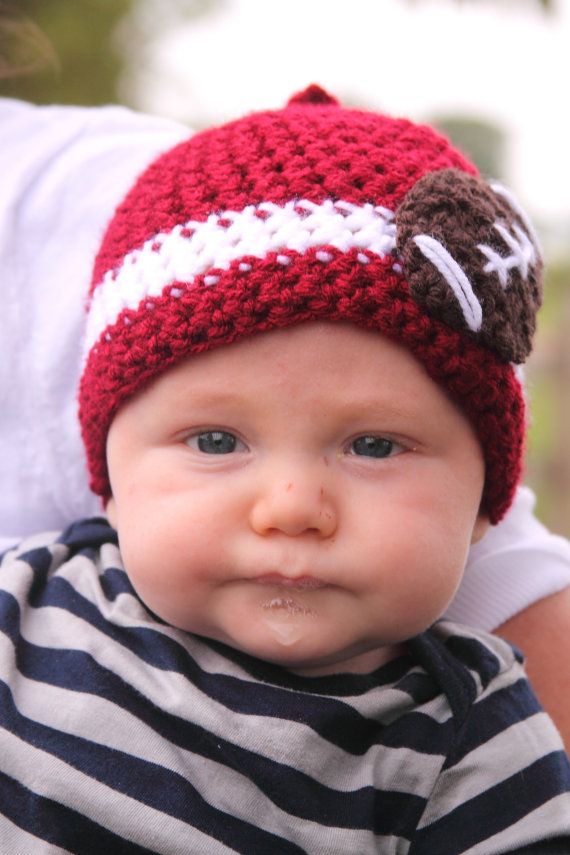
column 79, row 51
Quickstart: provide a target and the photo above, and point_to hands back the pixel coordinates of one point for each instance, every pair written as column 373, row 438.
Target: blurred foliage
column 70, row 52
column 482, row 141
column 87, row 64
column 556, row 289
column 548, row 459
column 24, row 49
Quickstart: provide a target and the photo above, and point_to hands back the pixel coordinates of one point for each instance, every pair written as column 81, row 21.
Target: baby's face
column 307, row 496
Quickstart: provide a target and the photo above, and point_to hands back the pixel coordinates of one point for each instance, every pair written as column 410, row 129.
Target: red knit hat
column 318, row 212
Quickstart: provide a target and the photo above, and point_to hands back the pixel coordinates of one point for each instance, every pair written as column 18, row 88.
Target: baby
column 300, row 405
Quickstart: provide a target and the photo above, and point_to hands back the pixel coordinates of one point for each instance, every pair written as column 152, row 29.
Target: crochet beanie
column 318, row 212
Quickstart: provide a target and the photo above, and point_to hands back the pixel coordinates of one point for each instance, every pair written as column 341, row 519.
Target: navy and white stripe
column 120, row 734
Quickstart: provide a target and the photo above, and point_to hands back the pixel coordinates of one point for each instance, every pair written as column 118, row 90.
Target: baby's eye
column 374, row 446
column 215, row 442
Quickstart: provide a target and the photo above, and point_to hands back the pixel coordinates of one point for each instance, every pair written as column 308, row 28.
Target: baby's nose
column 295, row 506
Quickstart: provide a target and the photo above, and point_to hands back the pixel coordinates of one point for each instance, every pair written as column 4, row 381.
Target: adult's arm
column 64, row 170
column 541, row 631
column 517, row 563
column 517, row 584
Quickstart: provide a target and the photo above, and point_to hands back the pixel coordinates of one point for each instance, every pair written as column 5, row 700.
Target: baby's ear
column 111, row 511
column 482, row 525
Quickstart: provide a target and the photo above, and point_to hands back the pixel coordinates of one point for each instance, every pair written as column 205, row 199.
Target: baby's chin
column 290, row 630
column 290, row 646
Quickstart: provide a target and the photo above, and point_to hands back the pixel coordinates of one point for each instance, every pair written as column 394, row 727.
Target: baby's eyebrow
column 209, row 395
column 374, row 406
column 379, row 407
column 208, row 398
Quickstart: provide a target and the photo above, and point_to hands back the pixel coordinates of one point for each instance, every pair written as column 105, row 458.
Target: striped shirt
column 121, row 734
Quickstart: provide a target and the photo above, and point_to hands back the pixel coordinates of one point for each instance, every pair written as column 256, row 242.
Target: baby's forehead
column 316, row 361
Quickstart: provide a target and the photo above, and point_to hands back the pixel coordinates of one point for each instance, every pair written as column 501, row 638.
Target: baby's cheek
column 414, row 570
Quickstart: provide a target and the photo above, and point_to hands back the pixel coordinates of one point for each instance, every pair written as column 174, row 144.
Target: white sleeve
column 63, row 171
column 515, row 564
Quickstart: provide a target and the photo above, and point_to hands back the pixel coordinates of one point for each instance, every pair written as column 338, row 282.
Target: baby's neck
column 365, row 663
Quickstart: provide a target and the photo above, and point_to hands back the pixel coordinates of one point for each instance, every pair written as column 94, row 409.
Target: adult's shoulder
column 58, row 122
column 64, row 170
column 45, row 149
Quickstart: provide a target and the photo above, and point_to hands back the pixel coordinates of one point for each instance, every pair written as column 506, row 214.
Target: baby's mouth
column 302, row 583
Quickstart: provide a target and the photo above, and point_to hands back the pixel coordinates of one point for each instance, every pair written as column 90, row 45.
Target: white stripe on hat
column 194, row 248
